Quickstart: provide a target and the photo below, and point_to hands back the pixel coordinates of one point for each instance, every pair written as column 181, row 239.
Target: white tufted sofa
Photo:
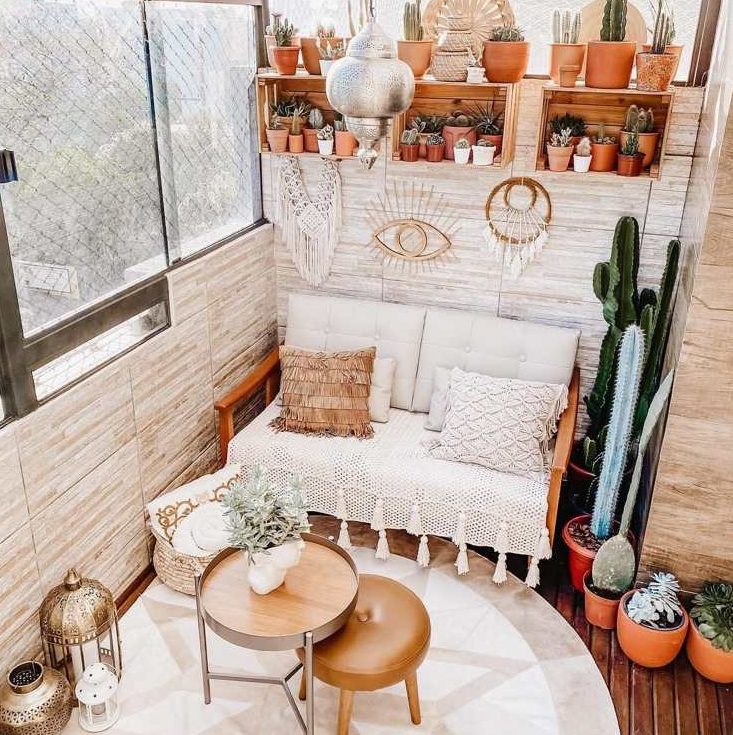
column 390, row 480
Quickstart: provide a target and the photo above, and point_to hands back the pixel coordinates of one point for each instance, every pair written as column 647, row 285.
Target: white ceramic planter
column 325, row 147
column 268, row 568
column 581, row 164
column 483, row 155
column 326, row 64
column 461, row 155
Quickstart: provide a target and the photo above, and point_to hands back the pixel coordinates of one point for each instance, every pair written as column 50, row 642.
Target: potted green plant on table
column 710, row 638
column 630, row 158
column 565, row 49
column 435, row 148
column 483, row 153
column 560, row 150
column 458, row 125
column 582, row 156
column 604, row 151
column 489, row 124
column 277, row 135
column 652, row 624
column 345, row 141
column 673, row 48
column 609, row 62
column 655, row 68
column 285, row 52
column 413, row 50
column 267, row 526
column 325, row 140
column 462, row 151
column 640, row 122
column 410, row 145
column 310, row 133
column 506, row 54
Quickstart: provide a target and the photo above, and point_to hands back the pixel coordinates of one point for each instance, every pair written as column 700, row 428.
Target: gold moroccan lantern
column 79, row 627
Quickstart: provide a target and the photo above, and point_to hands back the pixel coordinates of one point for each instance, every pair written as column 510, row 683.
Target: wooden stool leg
column 413, row 698
column 301, row 691
column 346, row 704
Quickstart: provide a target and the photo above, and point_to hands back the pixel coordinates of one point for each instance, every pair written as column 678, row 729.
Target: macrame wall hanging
column 518, row 212
column 404, row 238
column 310, row 228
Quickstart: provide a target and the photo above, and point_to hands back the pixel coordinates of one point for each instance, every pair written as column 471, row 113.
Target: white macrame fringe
column 414, row 525
column 344, row 540
column 462, row 560
column 542, row 551
column 423, row 553
column 518, row 257
column 378, row 517
column 502, row 544
column 533, row 573
column 382, row 546
column 459, row 537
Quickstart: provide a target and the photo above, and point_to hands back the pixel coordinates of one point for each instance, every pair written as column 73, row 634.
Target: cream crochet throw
column 309, row 228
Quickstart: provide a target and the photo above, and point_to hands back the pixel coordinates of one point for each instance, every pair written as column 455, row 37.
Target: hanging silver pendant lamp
column 369, row 86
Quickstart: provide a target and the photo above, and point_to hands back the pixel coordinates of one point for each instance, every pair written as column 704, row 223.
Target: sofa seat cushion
column 345, row 474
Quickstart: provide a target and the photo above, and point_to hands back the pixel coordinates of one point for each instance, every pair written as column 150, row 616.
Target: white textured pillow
column 439, row 399
column 500, row 423
column 380, row 390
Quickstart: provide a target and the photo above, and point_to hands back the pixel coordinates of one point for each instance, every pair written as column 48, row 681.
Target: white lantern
column 97, row 695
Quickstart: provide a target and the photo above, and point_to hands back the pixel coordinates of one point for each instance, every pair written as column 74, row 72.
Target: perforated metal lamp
column 369, row 86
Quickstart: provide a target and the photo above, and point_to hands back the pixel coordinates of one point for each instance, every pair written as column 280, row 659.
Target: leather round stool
column 384, row 641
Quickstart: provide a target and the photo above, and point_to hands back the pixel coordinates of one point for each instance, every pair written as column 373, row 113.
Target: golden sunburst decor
column 403, row 236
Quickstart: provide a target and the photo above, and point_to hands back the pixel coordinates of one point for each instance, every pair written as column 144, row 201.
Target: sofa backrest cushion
column 501, row 348
column 333, row 324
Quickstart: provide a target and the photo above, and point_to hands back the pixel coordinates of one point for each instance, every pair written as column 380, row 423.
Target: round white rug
column 501, row 661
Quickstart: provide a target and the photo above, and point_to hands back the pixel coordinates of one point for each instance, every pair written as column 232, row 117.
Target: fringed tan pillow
column 325, row 392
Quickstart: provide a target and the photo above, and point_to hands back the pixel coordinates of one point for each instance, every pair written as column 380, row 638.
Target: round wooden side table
column 316, row 600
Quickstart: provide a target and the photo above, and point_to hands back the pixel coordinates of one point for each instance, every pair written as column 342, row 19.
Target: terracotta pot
column 580, row 559
column 295, row 143
column 505, row 61
column 416, row 54
column 270, row 43
column 565, row 54
column 423, row 142
column 599, row 611
column 452, row 133
column 609, row 63
column 569, row 75
column 558, row 159
column 278, row 140
column 435, row 153
column 495, row 140
column 285, row 59
column 310, row 139
column 409, row 153
column 654, row 71
column 712, row 663
column 311, row 55
column 647, row 145
column 646, row 646
column 345, row 143
column 673, row 48
column 604, row 158
column 630, row 165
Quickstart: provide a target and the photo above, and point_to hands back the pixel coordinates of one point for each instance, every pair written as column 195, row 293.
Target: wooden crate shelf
column 607, row 107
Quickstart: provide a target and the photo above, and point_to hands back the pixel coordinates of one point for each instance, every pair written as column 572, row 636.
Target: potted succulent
column 310, row 134
column 345, row 140
column 457, row 125
column 277, row 135
column 565, row 51
column 609, row 62
column 295, row 137
column 286, row 107
column 575, row 123
column 435, row 148
column 489, row 124
column 310, row 47
column 604, row 151
column 270, row 41
column 483, row 153
column 331, row 50
column 427, row 125
column 506, row 54
column 462, row 151
column 325, row 140
column 641, row 121
column 413, row 50
column 410, row 145
column 652, row 624
column 559, row 150
column 582, row 156
column 655, row 68
column 285, row 52
column 710, row 638
column 672, row 48
column 266, row 525
column 630, row 158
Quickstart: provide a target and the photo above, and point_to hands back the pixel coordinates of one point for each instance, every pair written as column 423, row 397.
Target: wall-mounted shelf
column 607, row 107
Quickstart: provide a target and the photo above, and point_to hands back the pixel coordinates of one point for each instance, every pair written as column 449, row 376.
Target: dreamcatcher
column 518, row 212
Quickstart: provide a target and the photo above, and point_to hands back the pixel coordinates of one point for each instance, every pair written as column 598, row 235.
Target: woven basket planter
column 450, row 66
column 177, row 570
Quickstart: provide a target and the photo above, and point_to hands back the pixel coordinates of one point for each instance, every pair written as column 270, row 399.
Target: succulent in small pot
column 574, row 123
column 489, row 124
column 345, row 139
column 462, row 151
column 565, row 51
column 506, row 54
column 295, row 136
column 310, row 133
column 325, row 140
column 330, row 50
column 630, row 158
column 414, row 50
column 458, row 125
column 641, row 121
column 277, row 135
column 652, row 624
column 609, row 62
column 656, row 67
column 559, row 150
column 710, row 638
column 410, row 145
column 427, row 125
column 582, row 156
column 604, row 151
column 483, row 153
column 285, row 53
column 435, row 148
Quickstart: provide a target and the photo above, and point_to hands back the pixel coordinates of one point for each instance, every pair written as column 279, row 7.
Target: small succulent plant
column 639, row 120
column 411, row 136
column 298, row 114
column 286, row 106
column 506, row 32
column 315, row 119
column 325, row 133
column 563, row 139
column 583, row 148
column 712, row 611
column 462, row 144
column 657, row 605
column 435, row 139
column 574, row 122
column 330, row 50
column 327, row 30
column 487, row 121
column 631, row 145
column 274, row 123
column 339, row 124
column 428, row 123
column 483, row 143
column 284, row 33
column 459, row 119
column 601, row 137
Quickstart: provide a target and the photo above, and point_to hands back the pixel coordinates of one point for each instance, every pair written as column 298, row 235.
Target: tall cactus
column 412, row 21
column 628, row 380
column 565, row 27
column 613, row 27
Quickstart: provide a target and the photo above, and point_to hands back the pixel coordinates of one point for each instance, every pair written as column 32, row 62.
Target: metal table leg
column 202, row 642
column 308, row 673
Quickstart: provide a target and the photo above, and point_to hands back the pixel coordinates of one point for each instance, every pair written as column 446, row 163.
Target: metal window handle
column 8, row 169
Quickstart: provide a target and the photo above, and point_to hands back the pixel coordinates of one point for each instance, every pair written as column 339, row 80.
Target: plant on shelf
column 652, row 624
column 574, row 123
column 642, row 123
column 565, row 51
column 435, row 147
column 565, row 27
column 286, row 107
column 285, row 54
column 560, row 149
column 458, row 125
column 489, row 123
column 311, row 46
column 582, row 156
column 344, row 139
column 506, row 54
column 604, row 150
column 277, row 135
column 610, row 60
column 630, row 158
column 656, row 65
column 410, row 145
column 310, row 133
column 295, row 137
column 426, row 125
column 413, row 49
column 483, row 152
column 325, row 140
column 330, row 50
column 462, row 150
column 710, row 638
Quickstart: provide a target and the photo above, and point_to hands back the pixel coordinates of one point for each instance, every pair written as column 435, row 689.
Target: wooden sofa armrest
column 267, row 373
column 563, row 449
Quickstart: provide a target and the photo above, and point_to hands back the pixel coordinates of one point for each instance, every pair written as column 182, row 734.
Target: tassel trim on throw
column 344, row 540
column 382, row 546
column 414, row 525
column 459, row 537
column 378, row 516
column 502, row 546
column 533, row 573
column 561, row 403
column 423, row 553
column 543, row 551
column 462, row 559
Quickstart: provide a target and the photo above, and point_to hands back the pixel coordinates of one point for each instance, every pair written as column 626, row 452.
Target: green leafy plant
column 325, row 133
column 258, row 518
column 284, row 33
column 411, row 136
column 575, row 123
column 639, row 120
column 657, row 605
column 712, row 611
column 506, row 33
column 613, row 27
column 563, row 139
column 412, row 21
column 565, row 27
column 459, row 119
column 435, row 139
column 487, row 121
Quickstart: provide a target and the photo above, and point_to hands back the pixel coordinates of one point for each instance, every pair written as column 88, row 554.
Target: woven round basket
column 177, row 570
column 454, row 41
column 450, row 66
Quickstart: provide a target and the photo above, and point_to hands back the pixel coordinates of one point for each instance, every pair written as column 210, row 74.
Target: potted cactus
column 675, row 49
column 630, row 158
column 483, row 153
column 345, row 140
column 285, row 52
column 462, row 151
column 582, row 156
column 652, row 624
column 295, row 137
column 310, row 133
column 641, row 122
column 427, row 125
column 330, row 51
column 410, row 145
column 311, row 47
column 710, row 638
column 559, row 150
column 413, row 50
column 489, row 124
column 458, row 125
column 565, row 51
column 277, row 135
column 655, row 68
column 435, row 148
column 325, row 140
column 506, row 54
column 609, row 62
column 604, row 151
